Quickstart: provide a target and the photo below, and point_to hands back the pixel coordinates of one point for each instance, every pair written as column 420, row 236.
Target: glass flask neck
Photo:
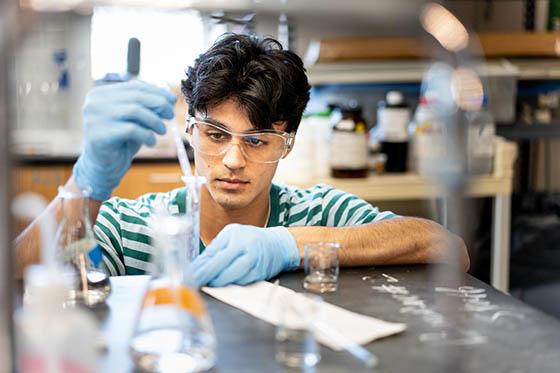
column 77, row 249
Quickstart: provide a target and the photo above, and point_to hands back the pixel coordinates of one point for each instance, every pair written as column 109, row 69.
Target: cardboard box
column 522, row 44
column 494, row 44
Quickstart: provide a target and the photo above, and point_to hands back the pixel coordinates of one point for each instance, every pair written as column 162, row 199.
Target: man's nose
column 234, row 157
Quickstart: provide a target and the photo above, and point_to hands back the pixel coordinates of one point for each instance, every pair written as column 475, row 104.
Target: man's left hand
column 242, row 254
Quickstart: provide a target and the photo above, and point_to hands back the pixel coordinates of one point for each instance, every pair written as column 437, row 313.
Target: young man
column 246, row 97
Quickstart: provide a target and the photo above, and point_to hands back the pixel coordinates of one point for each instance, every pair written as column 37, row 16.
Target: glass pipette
column 182, row 157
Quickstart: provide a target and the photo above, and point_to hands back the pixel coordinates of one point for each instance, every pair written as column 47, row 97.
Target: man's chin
column 231, row 201
column 232, row 205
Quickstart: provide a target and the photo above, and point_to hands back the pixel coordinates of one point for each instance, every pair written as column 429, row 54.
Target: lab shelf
column 398, row 71
column 520, row 131
column 407, row 186
column 537, row 68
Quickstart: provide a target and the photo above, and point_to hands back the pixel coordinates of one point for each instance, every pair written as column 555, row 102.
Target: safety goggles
column 261, row 146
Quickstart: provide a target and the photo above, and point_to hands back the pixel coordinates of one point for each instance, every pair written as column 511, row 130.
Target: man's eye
column 217, row 136
column 255, row 141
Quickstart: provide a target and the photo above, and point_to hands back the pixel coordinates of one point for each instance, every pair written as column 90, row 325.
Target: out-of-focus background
column 355, row 53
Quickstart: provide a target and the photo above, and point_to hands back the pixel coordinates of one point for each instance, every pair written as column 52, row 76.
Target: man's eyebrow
column 216, row 123
column 220, row 124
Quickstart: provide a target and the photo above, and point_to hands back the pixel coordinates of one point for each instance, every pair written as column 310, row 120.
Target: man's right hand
column 118, row 119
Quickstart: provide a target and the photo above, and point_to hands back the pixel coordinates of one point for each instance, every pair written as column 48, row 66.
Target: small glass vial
column 349, row 146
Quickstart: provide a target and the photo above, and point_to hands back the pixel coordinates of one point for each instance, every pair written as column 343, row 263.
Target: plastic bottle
column 51, row 338
column 482, row 131
column 349, row 146
column 393, row 117
column 322, row 132
column 427, row 139
column 298, row 164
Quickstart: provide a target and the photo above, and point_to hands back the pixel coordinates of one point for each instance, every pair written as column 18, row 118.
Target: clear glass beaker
column 78, row 250
column 173, row 330
column 321, row 266
column 296, row 345
column 192, row 207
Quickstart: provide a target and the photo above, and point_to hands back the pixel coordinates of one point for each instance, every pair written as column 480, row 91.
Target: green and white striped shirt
column 124, row 232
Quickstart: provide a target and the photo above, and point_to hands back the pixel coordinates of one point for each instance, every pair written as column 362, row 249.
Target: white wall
column 49, row 117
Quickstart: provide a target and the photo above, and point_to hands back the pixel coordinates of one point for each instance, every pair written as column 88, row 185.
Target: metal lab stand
column 8, row 31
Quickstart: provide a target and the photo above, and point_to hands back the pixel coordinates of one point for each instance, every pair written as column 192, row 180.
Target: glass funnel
column 173, row 330
column 78, row 250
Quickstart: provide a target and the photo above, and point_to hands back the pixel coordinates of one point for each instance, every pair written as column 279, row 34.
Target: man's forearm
column 28, row 242
column 395, row 241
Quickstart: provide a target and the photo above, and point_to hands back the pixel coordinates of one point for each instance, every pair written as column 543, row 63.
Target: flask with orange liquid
column 173, row 330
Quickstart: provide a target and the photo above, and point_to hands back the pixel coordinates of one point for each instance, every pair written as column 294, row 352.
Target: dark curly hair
column 268, row 82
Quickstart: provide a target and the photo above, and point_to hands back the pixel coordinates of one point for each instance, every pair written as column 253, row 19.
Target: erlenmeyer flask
column 173, row 330
column 77, row 249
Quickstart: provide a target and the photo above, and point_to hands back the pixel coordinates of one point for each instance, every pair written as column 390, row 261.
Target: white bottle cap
column 394, row 98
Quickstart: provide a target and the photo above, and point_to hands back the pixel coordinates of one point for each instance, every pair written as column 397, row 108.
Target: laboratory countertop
column 456, row 323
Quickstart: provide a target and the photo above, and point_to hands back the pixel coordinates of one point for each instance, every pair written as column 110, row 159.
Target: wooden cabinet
column 140, row 179
column 149, row 177
column 41, row 179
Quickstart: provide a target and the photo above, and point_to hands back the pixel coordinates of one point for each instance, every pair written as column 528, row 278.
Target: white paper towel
column 267, row 302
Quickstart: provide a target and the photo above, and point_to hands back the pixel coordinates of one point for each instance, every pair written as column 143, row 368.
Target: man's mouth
column 231, row 184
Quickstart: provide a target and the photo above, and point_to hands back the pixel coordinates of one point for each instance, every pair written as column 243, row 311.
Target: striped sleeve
column 124, row 232
column 323, row 205
column 107, row 231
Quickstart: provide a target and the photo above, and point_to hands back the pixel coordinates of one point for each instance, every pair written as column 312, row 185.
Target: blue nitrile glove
column 242, row 254
column 118, row 119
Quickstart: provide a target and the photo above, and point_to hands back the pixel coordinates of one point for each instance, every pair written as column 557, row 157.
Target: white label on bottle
column 345, row 125
column 349, row 150
column 481, row 140
column 429, row 146
column 393, row 124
